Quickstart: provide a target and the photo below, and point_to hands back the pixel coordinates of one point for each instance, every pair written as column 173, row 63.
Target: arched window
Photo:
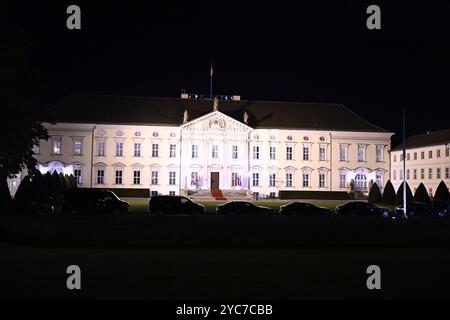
column 360, row 182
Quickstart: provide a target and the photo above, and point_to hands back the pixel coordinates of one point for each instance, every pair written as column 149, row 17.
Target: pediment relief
column 216, row 121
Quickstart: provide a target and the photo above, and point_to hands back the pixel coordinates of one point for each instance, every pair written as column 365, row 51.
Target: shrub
column 374, row 194
column 388, row 194
column 399, row 196
column 421, row 195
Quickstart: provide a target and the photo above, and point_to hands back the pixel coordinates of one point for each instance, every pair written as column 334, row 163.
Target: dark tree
column 21, row 103
column 374, row 194
column 388, row 194
column 441, row 196
column 63, row 182
column 73, row 181
column 421, row 194
column 40, row 189
column 24, row 191
column 58, row 188
column 399, row 197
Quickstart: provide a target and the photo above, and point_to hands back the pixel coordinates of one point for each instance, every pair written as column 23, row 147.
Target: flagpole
column 404, row 164
column 211, row 72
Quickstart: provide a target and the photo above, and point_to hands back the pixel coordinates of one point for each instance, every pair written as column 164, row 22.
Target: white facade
column 215, row 151
column 428, row 165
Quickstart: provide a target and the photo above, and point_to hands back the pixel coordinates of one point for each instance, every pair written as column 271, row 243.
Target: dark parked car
column 362, row 209
column 174, row 205
column 242, row 208
column 414, row 210
column 304, row 209
column 28, row 207
column 93, row 201
column 443, row 212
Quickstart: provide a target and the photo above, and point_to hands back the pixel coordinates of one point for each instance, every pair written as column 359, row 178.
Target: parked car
column 93, row 201
column 443, row 212
column 362, row 209
column 28, row 207
column 414, row 210
column 243, row 208
column 304, row 209
column 174, row 205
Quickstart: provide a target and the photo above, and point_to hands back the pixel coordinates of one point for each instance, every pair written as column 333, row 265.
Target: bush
column 388, row 194
column 421, row 195
column 441, row 196
column 399, row 196
column 326, row 195
column 374, row 194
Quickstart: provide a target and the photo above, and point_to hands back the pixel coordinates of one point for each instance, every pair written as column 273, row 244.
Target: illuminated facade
column 185, row 146
column 427, row 161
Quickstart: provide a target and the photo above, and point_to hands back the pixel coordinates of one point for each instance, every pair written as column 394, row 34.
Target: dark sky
column 310, row 51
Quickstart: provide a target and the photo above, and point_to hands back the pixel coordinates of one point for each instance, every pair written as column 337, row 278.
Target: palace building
column 427, row 161
column 191, row 145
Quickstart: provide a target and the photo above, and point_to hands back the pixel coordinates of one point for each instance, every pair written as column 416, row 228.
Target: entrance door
column 214, row 180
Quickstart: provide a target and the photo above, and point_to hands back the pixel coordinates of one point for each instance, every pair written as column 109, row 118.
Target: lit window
column 288, row 179
column 119, row 175
column 57, row 145
column 155, row 150
column 234, row 152
column 288, row 153
column 101, row 149
column 379, row 180
column 342, row 153
column 77, row 146
column 215, row 152
column 361, row 153
column 379, row 154
column 136, row 177
column 119, row 149
column 137, row 149
column 154, row 178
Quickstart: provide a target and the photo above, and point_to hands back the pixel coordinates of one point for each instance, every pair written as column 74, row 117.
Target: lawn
column 140, row 205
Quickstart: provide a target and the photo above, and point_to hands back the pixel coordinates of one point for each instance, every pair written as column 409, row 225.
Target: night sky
column 313, row 51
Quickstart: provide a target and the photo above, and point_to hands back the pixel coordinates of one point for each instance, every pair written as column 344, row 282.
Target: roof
column 426, row 139
column 103, row 109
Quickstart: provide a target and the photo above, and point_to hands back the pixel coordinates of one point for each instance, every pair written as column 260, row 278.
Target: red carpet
column 217, row 194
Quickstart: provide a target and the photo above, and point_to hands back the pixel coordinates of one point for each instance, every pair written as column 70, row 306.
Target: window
column 77, row 175
column 171, row 193
column 306, row 179
column 119, row 175
column 136, row 177
column 342, row 180
column 395, row 158
column 194, row 151
column 438, row 173
column 101, row 149
column 430, row 173
column 100, row 176
column 379, row 154
column 422, row 155
column 379, row 180
column 430, row 154
column 215, row 152
column 272, row 179
column 57, row 145
column 235, row 179
column 401, row 174
column 361, row 153
column 438, row 153
column 415, row 155
column 422, row 174
column 155, row 150
column 234, row 153
column 288, row 153
column 430, row 191
column 288, row 179
column 272, row 195
column 153, row 193
column 447, row 152
column 77, row 146
column 401, row 157
column 321, row 180
column 305, row 153
column 415, row 174
column 154, row 178
column 173, row 151
column 322, row 154
column 119, row 149
column 408, row 157
column 447, row 173
column 394, row 175
column 273, row 153
column 407, row 174
column 255, row 180
column 360, row 182
column 137, row 149
column 172, row 178
column 343, row 153
column 256, row 152
column 194, row 179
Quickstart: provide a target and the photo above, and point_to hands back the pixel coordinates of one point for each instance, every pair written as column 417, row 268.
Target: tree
column 441, row 196
column 399, row 197
column 24, row 191
column 21, row 104
column 374, row 194
column 73, row 181
column 388, row 194
column 421, row 195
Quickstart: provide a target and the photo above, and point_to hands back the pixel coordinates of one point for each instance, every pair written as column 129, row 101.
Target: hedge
column 320, row 195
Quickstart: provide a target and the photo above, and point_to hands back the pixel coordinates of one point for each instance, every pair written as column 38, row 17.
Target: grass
column 140, row 205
